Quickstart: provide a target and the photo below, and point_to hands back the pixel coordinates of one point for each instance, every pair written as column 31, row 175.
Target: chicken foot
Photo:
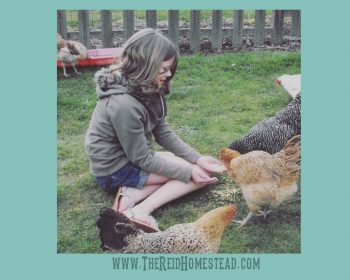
column 65, row 73
column 264, row 213
column 245, row 220
column 75, row 69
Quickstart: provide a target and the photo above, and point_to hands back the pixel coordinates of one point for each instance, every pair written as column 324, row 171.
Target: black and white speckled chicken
column 118, row 234
column 70, row 52
column 272, row 134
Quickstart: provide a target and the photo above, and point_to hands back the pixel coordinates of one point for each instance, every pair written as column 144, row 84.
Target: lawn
column 162, row 15
column 214, row 100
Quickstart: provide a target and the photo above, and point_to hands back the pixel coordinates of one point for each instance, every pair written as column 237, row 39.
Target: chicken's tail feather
column 240, row 145
column 291, row 156
column 114, row 227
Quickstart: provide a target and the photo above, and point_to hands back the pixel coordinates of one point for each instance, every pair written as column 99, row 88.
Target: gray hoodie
column 121, row 130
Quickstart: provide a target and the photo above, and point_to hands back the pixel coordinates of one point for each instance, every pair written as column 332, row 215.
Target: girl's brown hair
column 142, row 57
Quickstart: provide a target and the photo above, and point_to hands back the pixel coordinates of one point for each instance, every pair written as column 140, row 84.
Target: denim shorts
column 129, row 175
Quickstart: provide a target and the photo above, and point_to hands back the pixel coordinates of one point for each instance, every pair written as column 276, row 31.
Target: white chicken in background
column 291, row 83
column 70, row 52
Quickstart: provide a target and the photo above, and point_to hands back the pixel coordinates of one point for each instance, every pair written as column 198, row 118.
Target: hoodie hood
column 108, row 83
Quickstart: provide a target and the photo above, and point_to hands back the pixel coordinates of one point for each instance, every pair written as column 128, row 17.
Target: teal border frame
column 28, row 145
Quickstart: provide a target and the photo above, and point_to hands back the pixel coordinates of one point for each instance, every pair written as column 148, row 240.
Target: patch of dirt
column 290, row 43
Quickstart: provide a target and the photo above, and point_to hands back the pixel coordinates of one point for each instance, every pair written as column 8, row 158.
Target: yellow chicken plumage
column 265, row 179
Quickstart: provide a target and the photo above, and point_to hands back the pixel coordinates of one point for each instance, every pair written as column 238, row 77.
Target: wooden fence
column 236, row 32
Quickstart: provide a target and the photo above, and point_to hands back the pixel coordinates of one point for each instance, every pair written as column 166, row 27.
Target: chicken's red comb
column 278, row 81
column 234, row 210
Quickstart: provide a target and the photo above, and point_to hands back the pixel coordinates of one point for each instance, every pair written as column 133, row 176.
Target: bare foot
column 129, row 197
column 142, row 220
column 125, row 200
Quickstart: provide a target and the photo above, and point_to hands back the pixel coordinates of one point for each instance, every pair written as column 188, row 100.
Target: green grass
column 162, row 15
column 212, row 103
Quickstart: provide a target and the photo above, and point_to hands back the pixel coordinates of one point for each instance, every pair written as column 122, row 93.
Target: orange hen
column 265, row 179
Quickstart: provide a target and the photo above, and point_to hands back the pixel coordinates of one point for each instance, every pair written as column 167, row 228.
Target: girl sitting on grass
column 131, row 109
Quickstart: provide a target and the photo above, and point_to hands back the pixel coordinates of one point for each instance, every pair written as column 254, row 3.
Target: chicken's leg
column 75, row 69
column 64, row 70
column 245, row 220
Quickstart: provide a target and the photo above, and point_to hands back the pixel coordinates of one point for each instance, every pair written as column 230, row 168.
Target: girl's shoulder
column 126, row 102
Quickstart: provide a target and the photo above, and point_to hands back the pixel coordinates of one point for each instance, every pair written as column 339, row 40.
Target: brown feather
column 265, row 179
column 120, row 235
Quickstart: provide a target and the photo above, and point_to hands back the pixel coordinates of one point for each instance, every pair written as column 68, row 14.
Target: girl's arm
column 168, row 139
column 127, row 122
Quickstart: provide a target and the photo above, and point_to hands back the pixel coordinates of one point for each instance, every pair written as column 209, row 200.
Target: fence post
column 259, row 31
column 83, row 24
column 216, row 32
column 277, row 32
column 296, row 22
column 62, row 23
column 173, row 18
column 151, row 18
column 129, row 23
column 237, row 38
column 195, row 26
column 107, row 29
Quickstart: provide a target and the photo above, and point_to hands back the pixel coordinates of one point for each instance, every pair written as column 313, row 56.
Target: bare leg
column 133, row 196
column 170, row 190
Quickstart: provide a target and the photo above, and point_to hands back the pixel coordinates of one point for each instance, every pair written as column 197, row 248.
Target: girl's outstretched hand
column 201, row 176
column 211, row 164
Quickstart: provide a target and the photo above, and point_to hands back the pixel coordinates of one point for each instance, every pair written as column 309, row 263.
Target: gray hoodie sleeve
column 168, row 139
column 128, row 122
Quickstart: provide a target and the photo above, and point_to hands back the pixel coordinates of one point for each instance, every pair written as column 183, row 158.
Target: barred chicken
column 265, row 179
column 272, row 134
column 118, row 234
column 291, row 83
column 70, row 52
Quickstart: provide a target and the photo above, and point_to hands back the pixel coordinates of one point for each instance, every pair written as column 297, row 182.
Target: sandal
column 122, row 193
column 151, row 226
